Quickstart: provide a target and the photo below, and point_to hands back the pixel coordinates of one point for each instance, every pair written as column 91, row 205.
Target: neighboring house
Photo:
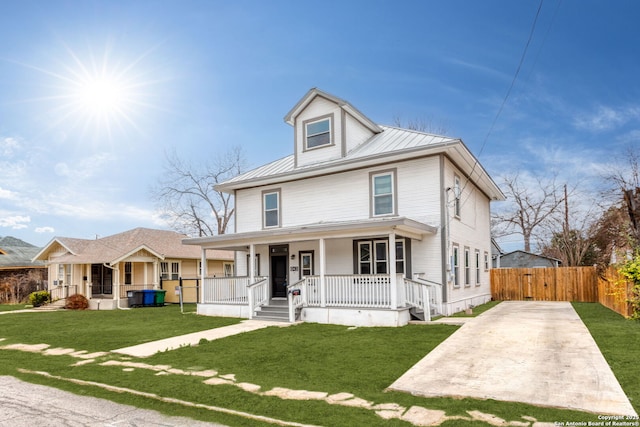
column 522, row 259
column 104, row 269
column 19, row 275
column 496, row 253
column 362, row 225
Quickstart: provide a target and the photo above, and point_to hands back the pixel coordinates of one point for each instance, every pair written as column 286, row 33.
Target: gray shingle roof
column 111, row 249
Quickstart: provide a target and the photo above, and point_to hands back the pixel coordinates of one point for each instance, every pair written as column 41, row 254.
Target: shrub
column 631, row 271
column 39, row 298
column 76, row 302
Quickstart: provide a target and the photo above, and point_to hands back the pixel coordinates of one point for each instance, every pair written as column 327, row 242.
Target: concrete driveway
column 528, row 351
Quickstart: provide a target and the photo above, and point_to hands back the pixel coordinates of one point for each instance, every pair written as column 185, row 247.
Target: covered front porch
column 364, row 273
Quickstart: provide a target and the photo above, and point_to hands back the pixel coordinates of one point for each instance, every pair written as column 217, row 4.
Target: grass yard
column 313, row 357
column 619, row 342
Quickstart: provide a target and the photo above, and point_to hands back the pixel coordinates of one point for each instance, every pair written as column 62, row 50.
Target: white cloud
column 605, row 118
column 8, row 145
column 16, row 222
column 44, row 230
column 8, row 194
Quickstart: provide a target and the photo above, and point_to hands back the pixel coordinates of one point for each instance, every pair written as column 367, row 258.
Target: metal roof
column 392, row 144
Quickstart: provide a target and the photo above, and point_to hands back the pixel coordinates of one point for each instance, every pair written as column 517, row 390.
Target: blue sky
column 202, row 76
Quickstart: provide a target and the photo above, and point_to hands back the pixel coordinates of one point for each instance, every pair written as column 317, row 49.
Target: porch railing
column 258, row 294
column 348, row 290
column 227, row 290
column 423, row 294
column 60, row 292
column 296, row 296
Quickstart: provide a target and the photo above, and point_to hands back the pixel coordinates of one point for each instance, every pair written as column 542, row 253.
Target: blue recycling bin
column 148, row 297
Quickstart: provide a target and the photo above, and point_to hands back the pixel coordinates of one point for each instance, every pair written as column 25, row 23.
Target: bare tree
column 187, row 197
column 531, row 206
column 428, row 125
column 626, row 178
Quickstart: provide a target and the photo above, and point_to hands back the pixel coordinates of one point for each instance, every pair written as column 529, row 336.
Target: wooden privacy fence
column 582, row 284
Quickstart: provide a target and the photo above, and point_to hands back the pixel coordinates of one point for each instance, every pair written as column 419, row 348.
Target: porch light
column 293, row 256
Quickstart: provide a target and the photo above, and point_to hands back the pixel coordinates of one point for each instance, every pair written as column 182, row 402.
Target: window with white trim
column 486, row 261
column 128, row 273
column 169, row 270
column 318, row 133
column 467, row 267
column 477, row 253
column 256, row 265
column 306, row 264
column 373, row 256
column 383, row 194
column 227, row 267
column 456, row 194
column 455, row 265
column 271, row 209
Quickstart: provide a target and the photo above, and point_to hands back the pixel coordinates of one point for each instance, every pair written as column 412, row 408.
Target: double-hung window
column 271, row 208
column 373, row 256
column 128, row 273
column 318, row 133
column 477, row 267
column 170, row 270
column 383, row 194
column 457, row 192
column 467, row 267
column 455, row 265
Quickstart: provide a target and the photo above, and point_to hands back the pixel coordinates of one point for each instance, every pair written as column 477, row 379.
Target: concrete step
column 279, row 313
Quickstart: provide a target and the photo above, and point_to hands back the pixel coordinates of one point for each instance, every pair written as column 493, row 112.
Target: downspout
column 444, row 236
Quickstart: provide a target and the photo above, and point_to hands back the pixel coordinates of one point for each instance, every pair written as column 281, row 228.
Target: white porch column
column 392, row 270
column 203, row 274
column 323, row 287
column 252, row 262
column 156, row 273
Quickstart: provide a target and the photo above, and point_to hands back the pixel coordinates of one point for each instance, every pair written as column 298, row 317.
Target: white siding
column 345, row 196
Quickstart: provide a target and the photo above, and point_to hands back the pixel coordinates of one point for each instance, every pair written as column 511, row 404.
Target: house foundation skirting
column 356, row 316
column 458, row 305
column 224, row 310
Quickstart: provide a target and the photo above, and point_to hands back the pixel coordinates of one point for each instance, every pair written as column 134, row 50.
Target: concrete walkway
column 533, row 352
column 153, row 347
column 24, row 405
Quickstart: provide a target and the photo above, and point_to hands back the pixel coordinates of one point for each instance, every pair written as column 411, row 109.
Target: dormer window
column 318, row 133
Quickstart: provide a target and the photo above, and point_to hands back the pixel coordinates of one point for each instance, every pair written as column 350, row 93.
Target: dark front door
column 101, row 280
column 279, row 263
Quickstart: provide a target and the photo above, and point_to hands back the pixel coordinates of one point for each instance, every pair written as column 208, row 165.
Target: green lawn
column 325, row 358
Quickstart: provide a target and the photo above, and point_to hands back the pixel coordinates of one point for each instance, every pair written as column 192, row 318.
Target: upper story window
column 271, row 208
column 457, row 191
column 318, row 133
column 383, row 197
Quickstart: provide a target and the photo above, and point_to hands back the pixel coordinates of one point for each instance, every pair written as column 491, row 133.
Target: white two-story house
column 362, row 225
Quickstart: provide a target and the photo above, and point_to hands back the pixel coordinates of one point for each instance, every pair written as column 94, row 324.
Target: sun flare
column 102, row 95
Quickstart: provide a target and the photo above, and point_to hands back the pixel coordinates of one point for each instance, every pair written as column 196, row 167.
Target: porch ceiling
column 401, row 226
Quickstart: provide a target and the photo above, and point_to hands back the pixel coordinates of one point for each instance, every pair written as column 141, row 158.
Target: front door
column 101, row 280
column 279, row 266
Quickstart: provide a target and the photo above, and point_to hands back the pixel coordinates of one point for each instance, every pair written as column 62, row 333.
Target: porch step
column 52, row 306
column 275, row 311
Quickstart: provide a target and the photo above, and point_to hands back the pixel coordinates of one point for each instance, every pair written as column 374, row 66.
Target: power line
column 506, row 97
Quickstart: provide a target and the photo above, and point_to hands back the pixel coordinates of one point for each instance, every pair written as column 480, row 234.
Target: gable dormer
column 326, row 128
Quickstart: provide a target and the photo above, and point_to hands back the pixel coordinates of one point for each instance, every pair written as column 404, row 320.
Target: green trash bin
column 159, row 297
